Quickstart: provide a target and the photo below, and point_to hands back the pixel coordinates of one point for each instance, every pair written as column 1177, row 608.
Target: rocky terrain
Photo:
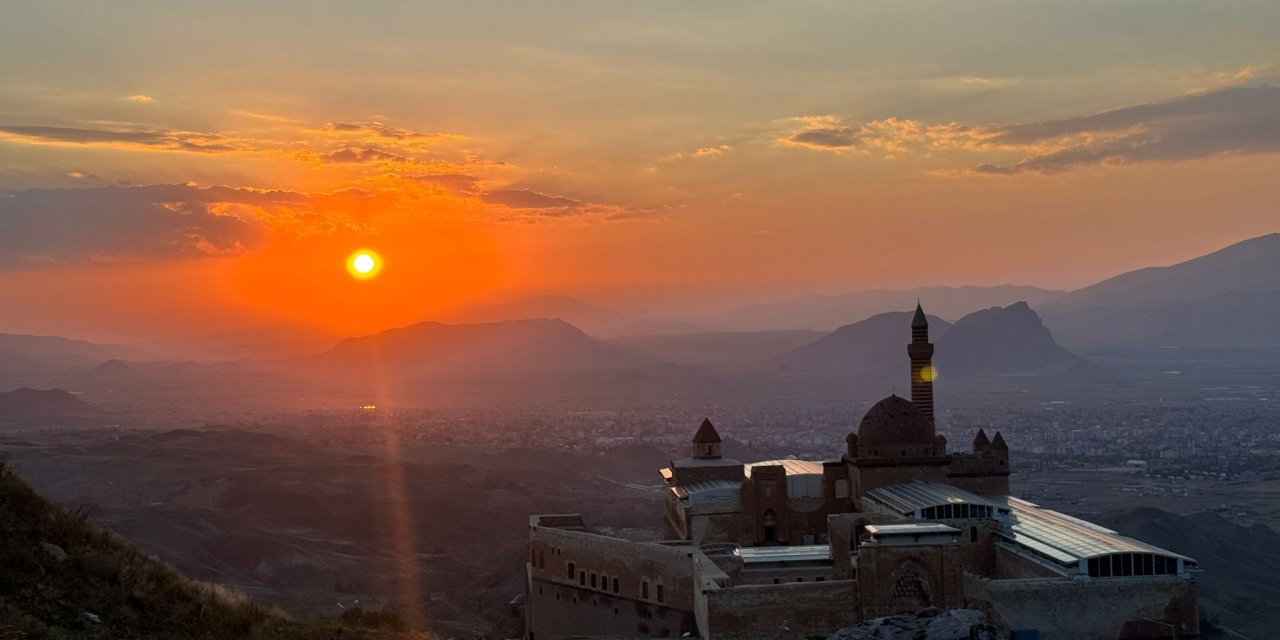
column 931, row 624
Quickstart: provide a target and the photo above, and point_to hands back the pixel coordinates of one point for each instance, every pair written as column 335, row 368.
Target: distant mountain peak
column 54, row 406
column 1229, row 297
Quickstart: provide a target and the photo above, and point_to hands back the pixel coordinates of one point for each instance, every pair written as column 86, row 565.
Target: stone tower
column 922, row 372
column 706, row 443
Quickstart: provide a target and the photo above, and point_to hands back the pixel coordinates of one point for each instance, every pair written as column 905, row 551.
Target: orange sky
column 665, row 158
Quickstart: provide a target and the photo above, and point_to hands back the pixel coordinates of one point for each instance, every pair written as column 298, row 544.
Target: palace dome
column 895, row 421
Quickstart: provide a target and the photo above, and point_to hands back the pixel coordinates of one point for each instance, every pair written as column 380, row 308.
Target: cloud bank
column 1234, row 120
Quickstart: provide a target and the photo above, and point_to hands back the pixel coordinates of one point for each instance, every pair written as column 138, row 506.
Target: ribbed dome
column 894, row 421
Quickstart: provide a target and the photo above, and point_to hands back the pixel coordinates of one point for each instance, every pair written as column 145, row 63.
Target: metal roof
column 913, row 529
column 791, row 553
column 804, row 477
column 711, row 496
column 1069, row 540
column 792, row 467
column 908, row 497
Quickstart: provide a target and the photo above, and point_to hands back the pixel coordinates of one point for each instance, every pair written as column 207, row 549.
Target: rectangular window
column 582, row 578
column 661, row 596
column 572, row 570
column 593, row 579
column 615, row 585
column 644, row 590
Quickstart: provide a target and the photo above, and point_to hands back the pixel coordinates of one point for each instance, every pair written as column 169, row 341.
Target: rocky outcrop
column 956, row 624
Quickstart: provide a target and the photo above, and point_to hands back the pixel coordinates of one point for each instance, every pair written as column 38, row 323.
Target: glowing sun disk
column 364, row 264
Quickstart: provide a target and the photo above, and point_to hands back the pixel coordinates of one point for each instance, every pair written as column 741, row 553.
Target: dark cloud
column 374, row 128
column 827, row 138
column 527, row 199
column 114, row 223
column 1237, row 120
column 362, row 154
column 459, row 183
column 174, row 140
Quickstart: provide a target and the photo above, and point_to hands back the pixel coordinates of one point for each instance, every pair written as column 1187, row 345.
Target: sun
column 364, row 264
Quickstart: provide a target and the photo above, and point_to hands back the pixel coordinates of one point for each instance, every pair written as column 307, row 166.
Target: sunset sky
column 173, row 168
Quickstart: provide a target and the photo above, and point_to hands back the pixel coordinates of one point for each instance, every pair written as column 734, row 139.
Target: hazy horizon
column 171, row 172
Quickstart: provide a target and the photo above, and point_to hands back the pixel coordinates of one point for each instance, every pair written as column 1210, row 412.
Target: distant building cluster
column 897, row 524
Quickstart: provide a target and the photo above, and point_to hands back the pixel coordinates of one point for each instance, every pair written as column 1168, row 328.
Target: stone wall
column 1090, row 609
column 559, row 611
column 654, row 592
column 872, row 473
column 907, row 578
column 1013, row 565
column 761, row 611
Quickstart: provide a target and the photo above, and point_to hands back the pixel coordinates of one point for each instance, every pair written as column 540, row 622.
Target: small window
column 593, row 579
column 572, row 571
column 615, row 585
column 973, row 534
column 644, row 590
column 582, row 578
column 819, row 579
column 777, row 581
column 661, row 596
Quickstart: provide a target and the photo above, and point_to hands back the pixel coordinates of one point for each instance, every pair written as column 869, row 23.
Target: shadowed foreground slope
column 64, row 578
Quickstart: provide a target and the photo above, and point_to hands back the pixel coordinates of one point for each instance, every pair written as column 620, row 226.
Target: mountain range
column 1228, row 298
column 594, row 320
column 826, row 312
column 993, row 342
column 519, row 346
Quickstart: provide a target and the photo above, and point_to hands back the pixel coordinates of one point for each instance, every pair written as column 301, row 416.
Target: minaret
column 922, row 372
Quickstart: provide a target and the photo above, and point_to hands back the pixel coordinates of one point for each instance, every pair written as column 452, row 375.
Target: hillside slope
column 64, row 578
column 1240, row 584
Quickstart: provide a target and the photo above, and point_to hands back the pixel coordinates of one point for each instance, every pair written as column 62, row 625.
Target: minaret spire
column 922, row 372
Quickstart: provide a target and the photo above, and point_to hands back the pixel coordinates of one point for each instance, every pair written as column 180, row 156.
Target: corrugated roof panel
column 1070, row 540
column 907, row 497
